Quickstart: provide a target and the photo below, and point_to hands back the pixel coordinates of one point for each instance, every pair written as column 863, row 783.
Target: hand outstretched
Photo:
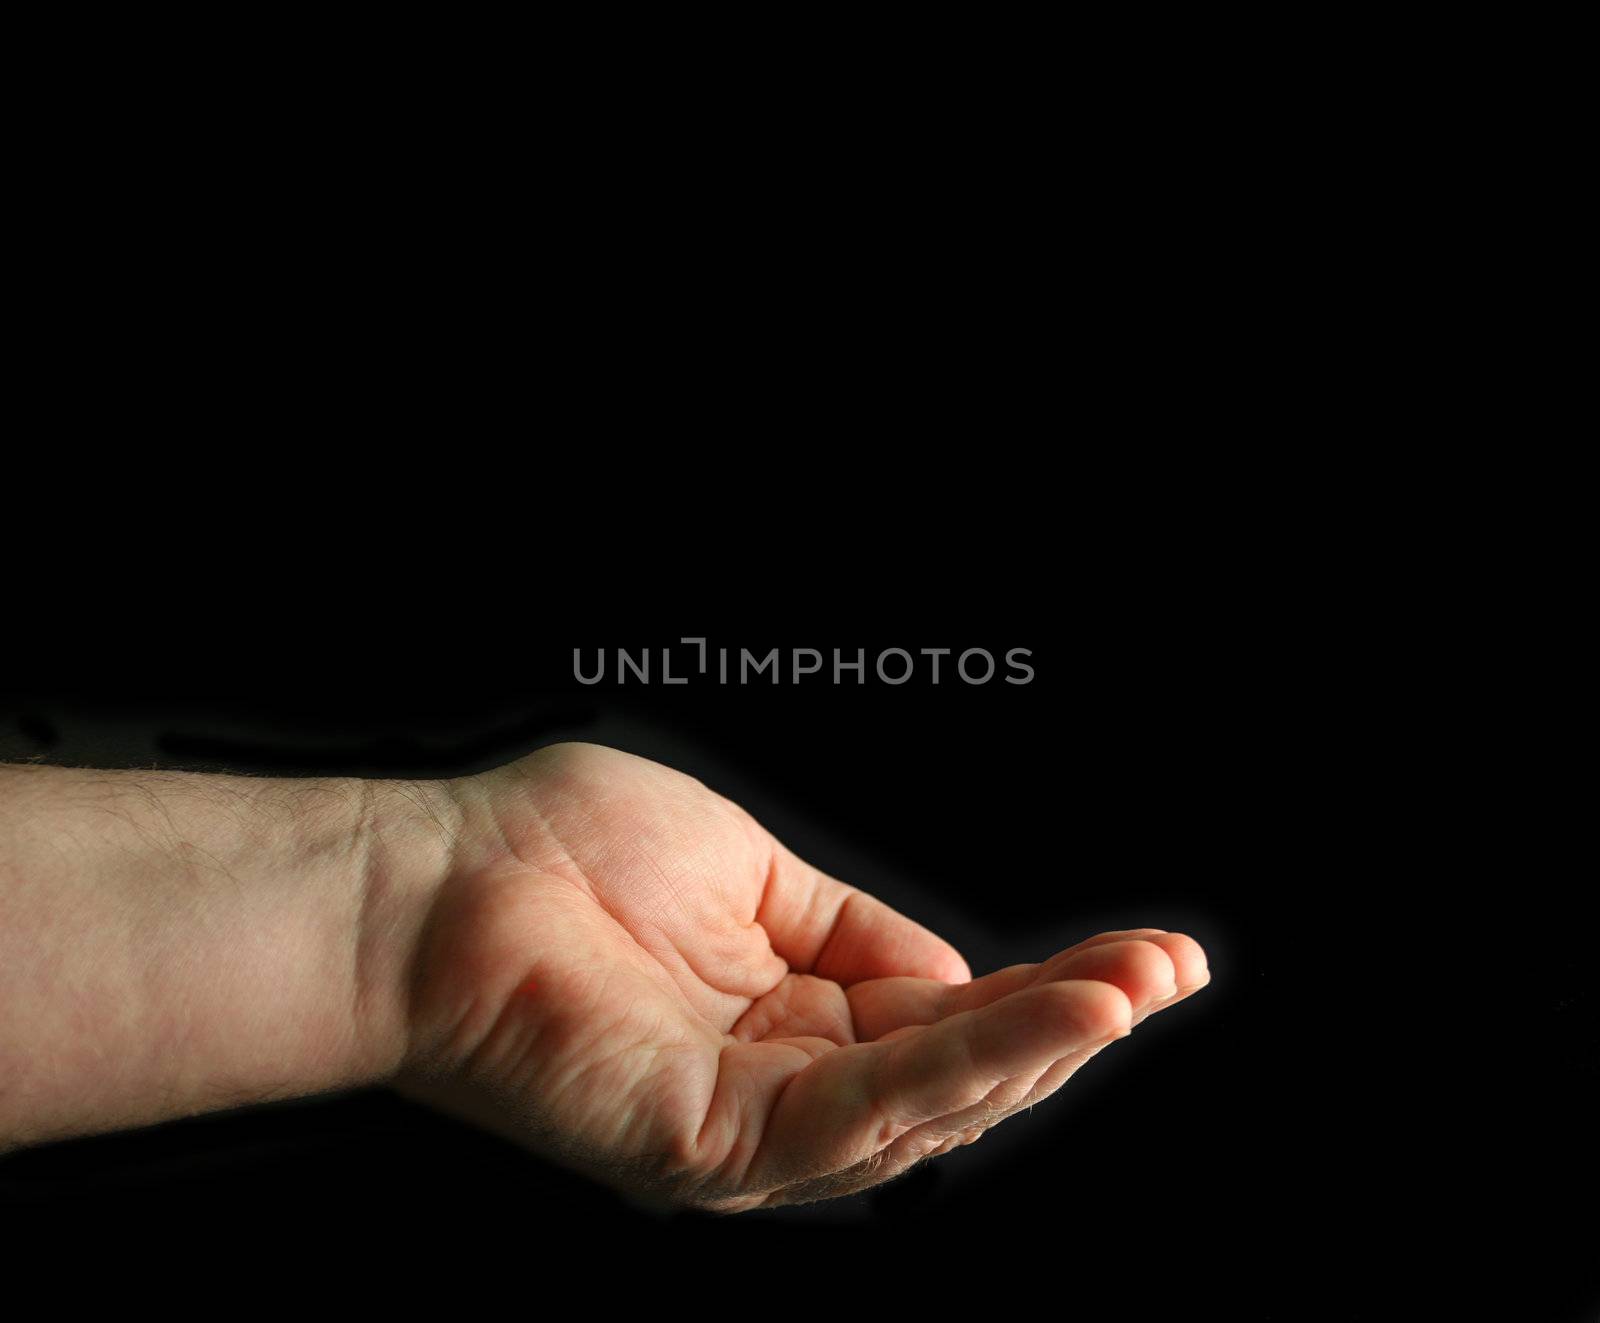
column 628, row 973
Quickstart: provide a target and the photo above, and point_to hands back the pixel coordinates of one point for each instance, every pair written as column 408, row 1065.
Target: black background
column 314, row 514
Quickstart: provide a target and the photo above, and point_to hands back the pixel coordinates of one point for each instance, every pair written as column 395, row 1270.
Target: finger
column 1011, row 1096
column 821, row 926
column 1141, row 969
column 1169, row 1002
column 854, row 1102
column 1015, row 1095
column 880, row 1006
column 1192, row 975
column 1064, row 1069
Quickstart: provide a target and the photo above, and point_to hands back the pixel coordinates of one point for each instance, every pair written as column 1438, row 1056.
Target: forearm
column 173, row 943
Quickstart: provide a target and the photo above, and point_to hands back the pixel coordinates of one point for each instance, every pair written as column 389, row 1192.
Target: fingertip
column 949, row 967
column 1153, row 976
column 1188, row 957
column 1140, row 967
column 1094, row 1009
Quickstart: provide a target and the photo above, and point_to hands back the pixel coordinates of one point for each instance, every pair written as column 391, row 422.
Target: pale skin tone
column 588, row 952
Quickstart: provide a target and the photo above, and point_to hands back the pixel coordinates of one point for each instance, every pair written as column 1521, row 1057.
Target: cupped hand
column 625, row 971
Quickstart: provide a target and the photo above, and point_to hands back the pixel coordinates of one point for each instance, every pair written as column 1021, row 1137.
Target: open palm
column 629, row 973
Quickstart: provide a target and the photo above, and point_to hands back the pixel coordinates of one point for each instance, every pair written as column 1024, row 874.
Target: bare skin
column 586, row 951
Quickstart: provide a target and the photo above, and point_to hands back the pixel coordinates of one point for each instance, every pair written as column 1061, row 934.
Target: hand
column 628, row 973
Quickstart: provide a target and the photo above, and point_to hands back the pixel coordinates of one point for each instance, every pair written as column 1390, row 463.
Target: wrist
column 455, row 985
column 407, row 839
